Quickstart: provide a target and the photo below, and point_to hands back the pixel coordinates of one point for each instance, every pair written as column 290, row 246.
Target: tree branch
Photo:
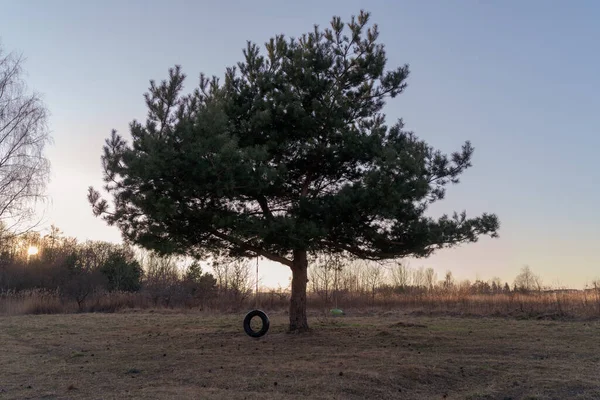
column 254, row 249
column 264, row 205
column 306, row 184
column 364, row 254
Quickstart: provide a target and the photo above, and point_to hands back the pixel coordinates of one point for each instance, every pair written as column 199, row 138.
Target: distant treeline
column 54, row 273
column 79, row 271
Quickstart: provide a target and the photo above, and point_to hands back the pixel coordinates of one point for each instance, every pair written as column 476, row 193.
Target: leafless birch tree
column 24, row 170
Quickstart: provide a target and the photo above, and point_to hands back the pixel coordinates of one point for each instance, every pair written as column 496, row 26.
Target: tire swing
column 265, row 323
column 256, row 313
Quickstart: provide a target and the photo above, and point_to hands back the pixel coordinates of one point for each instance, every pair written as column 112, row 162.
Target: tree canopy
column 289, row 155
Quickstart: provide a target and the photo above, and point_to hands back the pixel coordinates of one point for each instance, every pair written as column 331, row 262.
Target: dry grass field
column 385, row 355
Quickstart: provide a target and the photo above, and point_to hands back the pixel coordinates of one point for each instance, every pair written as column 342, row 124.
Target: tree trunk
column 298, row 321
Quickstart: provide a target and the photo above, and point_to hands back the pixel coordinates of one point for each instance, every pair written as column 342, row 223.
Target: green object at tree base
column 336, row 312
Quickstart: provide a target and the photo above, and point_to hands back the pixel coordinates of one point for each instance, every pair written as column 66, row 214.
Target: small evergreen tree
column 200, row 285
column 194, row 273
column 122, row 273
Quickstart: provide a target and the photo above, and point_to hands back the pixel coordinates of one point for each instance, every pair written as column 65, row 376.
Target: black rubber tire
column 265, row 323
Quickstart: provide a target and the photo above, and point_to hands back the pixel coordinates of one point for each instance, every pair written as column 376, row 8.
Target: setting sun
column 32, row 250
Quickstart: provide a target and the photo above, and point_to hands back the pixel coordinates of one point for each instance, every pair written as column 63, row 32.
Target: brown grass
column 579, row 305
column 384, row 355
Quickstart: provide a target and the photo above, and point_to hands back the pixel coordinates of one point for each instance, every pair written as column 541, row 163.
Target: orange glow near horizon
column 32, row 251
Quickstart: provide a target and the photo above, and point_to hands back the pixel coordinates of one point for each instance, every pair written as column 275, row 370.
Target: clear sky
column 518, row 78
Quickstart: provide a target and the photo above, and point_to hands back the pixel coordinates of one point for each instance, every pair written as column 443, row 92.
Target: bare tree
column 527, row 281
column 78, row 283
column 24, row 170
column 430, row 278
column 222, row 273
column 234, row 278
column 448, row 283
column 349, row 278
column 162, row 277
column 321, row 279
column 419, row 279
column 373, row 278
column 94, row 254
column 325, row 276
column 6, row 242
column 401, row 275
column 240, row 280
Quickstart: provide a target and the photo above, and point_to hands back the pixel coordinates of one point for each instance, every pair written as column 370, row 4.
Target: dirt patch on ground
column 181, row 356
column 402, row 324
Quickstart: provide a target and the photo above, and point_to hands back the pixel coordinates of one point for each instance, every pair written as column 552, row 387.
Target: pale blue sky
column 517, row 78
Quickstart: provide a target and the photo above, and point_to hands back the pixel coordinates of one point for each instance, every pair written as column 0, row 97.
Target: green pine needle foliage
column 290, row 151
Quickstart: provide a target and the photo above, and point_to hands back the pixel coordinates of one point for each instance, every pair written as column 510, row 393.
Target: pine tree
column 288, row 158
